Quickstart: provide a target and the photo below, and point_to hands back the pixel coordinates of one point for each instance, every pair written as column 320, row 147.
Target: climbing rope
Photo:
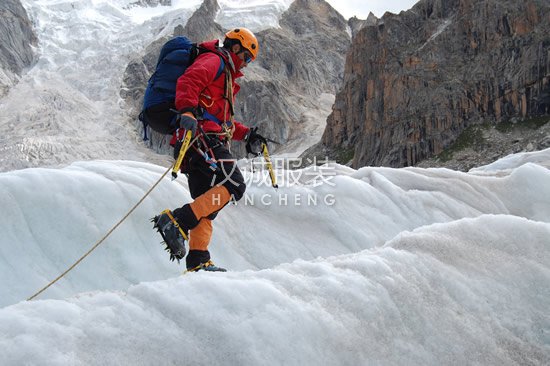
column 104, row 237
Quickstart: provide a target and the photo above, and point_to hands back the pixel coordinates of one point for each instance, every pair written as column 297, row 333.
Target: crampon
column 173, row 235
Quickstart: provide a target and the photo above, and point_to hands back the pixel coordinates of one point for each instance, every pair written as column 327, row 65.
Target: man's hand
column 254, row 142
column 188, row 122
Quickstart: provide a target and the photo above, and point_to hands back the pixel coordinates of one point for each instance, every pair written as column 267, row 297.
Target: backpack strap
column 197, row 50
column 205, row 114
column 220, row 70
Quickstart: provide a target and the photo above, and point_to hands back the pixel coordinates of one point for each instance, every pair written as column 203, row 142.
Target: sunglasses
column 247, row 57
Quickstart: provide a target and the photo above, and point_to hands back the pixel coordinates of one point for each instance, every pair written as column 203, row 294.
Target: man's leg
column 203, row 206
column 199, row 239
column 198, row 215
column 201, row 210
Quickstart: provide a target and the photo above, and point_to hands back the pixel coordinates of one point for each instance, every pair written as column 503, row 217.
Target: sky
column 361, row 8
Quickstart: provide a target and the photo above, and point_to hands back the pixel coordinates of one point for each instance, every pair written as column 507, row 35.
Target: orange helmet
column 247, row 38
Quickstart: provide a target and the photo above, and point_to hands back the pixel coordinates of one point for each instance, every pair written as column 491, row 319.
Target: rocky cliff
column 298, row 62
column 357, row 24
column 414, row 81
column 480, row 145
column 16, row 41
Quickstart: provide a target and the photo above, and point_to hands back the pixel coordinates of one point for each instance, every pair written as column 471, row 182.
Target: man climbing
column 204, row 99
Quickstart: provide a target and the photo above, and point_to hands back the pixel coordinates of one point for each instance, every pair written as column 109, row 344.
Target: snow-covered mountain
column 67, row 107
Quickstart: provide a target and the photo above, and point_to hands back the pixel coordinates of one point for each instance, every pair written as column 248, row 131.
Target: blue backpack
column 158, row 102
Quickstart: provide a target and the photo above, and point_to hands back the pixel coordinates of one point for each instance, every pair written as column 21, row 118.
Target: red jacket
column 198, row 87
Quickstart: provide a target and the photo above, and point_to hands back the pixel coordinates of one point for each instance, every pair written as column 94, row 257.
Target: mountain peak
column 307, row 16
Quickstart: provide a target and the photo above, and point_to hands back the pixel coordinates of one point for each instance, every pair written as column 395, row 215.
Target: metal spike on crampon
column 173, row 236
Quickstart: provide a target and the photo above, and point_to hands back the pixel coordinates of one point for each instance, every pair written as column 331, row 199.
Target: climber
column 204, row 101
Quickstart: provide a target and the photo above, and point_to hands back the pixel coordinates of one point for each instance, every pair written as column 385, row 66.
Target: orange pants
column 206, row 204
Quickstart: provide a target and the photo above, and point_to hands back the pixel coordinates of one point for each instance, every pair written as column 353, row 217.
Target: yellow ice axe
column 269, row 166
column 183, row 150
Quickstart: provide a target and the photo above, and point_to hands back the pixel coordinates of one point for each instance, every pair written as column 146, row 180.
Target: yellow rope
column 104, row 237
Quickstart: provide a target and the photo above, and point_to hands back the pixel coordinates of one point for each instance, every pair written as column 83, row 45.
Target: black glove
column 254, row 142
column 188, row 123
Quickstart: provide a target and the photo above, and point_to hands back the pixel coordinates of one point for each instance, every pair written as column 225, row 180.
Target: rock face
column 298, row 62
column 16, row 39
column 357, row 24
column 480, row 145
column 414, row 81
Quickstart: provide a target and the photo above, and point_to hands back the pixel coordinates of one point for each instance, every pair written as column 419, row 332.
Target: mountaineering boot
column 208, row 266
column 199, row 260
column 173, row 234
